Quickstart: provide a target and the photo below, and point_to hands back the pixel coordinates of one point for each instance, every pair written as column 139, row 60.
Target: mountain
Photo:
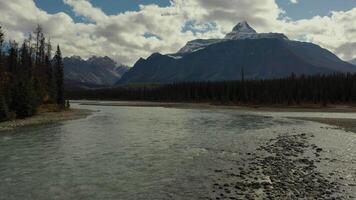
column 258, row 55
column 96, row 71
column 353, row 61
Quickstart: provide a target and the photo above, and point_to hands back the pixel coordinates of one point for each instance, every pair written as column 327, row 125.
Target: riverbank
column 345, row 124
column 342, row 123
column 44, row 117
column 302, row 108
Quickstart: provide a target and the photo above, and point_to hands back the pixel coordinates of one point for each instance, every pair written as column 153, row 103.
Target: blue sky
column 110, row 7
column 304, row 9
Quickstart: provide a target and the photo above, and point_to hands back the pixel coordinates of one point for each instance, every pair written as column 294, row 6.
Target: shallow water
column 132, row 153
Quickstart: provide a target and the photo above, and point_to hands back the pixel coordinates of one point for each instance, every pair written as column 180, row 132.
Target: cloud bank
column 133, row 34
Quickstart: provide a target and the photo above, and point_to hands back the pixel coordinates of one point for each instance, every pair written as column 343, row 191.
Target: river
column 138, row 152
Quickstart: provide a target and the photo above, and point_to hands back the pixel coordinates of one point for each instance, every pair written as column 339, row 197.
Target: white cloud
column 336, row 32
column 85, row 8
column 294, row 1
column 121, row 36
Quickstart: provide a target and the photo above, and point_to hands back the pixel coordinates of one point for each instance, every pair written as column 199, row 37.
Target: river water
column 133, row 152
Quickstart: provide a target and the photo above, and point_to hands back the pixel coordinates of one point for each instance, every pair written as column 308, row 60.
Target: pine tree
column 1, row 43
column 39, row 47
column 4, row 112
column 13, row 71
column 12, row 58
column 40, row 71
column 51, row 81
column 3, row 106
column 28, row 77
column 24, row 101
column 2, row 70
column 59, row 71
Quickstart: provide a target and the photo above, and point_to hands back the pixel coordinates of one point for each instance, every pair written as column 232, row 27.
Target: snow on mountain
column 353, row 61
column 240, row 32
column 196, row 45
column 242, row 28
column 100, row 71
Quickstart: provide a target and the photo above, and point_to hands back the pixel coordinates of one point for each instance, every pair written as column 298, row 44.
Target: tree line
column 29, row 76
column 335, row 88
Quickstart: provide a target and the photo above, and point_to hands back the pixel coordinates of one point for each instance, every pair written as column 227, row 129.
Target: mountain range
column 243, row 51
column 93, row 72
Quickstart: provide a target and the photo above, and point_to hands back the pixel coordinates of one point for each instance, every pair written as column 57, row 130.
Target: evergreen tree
column 3, row 105
column 59, row 70
column 28, row 77
column 13, row 58
column 40, row 71
column 320, row 90
column 2, row 70
column 51, row 81
column 24, row 101
column 1, row 43
column 13, row 72
column 4, row 112
column 39, row 44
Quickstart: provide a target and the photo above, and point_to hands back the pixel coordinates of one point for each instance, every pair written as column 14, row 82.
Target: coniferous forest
column 29, row 76
column 319, row 90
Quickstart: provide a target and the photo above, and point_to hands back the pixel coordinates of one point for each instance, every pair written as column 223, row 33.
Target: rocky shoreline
column 345, row 124
column 285, row 167
column 207, row 105
column 43, row 119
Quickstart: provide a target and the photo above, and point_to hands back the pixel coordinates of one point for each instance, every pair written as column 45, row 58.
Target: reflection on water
column 127, row 153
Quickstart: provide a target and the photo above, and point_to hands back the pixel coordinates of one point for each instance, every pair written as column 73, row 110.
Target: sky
column 129, row 29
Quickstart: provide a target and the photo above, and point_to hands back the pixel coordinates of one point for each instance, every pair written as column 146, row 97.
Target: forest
column 337, row 88
column 29, row 76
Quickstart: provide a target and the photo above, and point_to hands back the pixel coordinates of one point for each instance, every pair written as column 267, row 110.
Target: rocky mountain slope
column 258, row 55
column 96, row 71
column 353, row 61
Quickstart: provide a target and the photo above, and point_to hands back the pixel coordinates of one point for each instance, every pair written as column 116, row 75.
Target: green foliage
column 13, row 58
column 59, row 67
column 319, row 89
column 23, row 100
column 51, row 79
column 1, row 43
column 4, row 111
column 27, row 77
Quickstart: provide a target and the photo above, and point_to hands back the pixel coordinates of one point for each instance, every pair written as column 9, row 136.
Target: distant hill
column 94, row 72
column 258, row 55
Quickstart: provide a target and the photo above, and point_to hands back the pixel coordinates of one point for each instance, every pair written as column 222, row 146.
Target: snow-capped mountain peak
column 240, row 32
column 244, row 31
column 244, row 27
